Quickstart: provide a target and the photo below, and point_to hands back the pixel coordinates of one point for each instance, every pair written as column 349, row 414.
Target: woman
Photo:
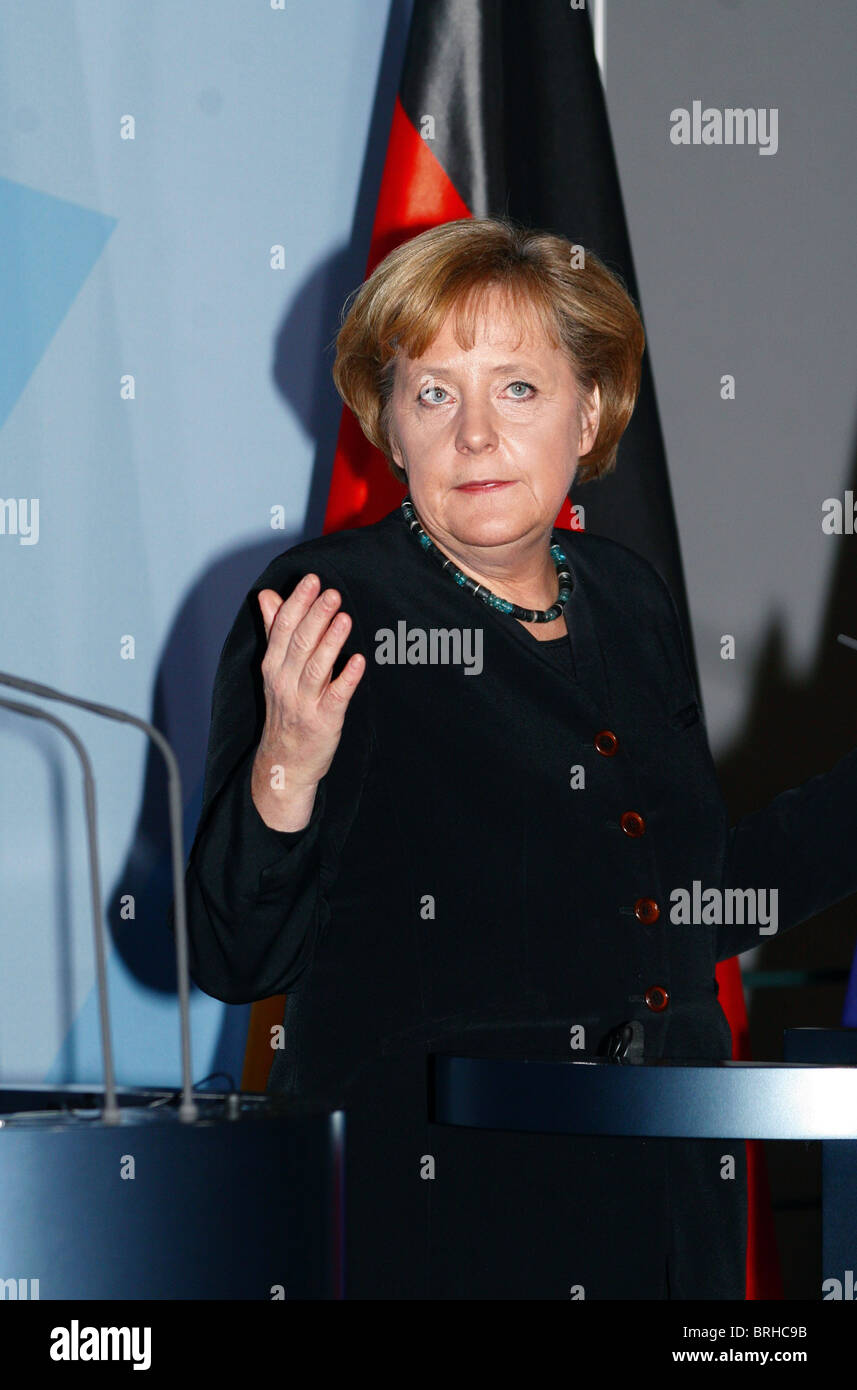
column 457, row 768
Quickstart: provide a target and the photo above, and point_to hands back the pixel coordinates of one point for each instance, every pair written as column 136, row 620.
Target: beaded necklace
column 501, row 605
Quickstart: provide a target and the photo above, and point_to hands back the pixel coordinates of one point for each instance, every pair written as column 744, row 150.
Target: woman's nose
column 476, row 429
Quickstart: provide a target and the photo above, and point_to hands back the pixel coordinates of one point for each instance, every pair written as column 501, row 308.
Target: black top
column 470, row 879
column 558, row 649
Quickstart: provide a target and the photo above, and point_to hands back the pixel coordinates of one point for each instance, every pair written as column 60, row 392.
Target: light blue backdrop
column 151, row 258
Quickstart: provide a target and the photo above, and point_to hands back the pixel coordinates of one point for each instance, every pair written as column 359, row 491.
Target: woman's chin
column 489, row 533
column 478, row 522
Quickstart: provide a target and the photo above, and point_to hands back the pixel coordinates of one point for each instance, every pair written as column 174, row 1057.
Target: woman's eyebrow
column 441, row 368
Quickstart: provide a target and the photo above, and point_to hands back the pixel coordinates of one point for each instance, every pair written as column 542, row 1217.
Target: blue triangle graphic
column 48, row 246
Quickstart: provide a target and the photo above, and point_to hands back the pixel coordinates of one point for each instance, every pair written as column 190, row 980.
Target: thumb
column 269, row 604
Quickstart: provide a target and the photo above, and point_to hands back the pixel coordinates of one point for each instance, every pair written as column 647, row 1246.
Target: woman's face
column 489, row 437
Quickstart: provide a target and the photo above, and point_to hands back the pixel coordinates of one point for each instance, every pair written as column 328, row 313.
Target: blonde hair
column 585, row 310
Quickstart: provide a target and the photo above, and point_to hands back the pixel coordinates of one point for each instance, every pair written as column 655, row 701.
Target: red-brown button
column 632, row 823
column 646, row 911
column 606, row 742
column 657, row 998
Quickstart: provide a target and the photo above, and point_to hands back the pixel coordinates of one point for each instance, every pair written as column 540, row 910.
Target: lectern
column 246, row 1202
column 811, row 1095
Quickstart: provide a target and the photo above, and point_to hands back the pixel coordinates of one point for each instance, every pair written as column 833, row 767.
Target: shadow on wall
column 181, row 707
column 793, row 729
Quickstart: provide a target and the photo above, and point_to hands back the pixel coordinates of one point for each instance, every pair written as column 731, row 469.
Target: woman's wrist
column 283, row 801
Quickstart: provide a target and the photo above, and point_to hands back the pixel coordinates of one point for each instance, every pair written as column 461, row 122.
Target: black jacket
column 470, row 879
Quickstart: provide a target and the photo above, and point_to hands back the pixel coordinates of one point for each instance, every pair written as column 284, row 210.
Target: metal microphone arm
column 110, row 1113
column 188, row 1109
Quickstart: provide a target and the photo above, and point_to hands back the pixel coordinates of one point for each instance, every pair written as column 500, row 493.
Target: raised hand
column 304, row 709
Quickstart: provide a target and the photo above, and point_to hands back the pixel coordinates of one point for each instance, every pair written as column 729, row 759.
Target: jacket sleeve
column 254, row 894
column 802, row 848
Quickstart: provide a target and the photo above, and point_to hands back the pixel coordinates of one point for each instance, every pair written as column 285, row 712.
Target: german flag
column 501, row 112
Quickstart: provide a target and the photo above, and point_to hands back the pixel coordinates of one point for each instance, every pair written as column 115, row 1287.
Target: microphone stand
column 188, row 1109
column 110, row 1114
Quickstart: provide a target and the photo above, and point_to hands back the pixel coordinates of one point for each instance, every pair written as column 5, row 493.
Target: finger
column 339, row 692
column 319, row 664
column 270, row 603
column 289, row 613
column 309, row 631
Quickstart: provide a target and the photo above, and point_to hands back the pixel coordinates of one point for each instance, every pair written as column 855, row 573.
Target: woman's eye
column 442, row 389
column 526, row 385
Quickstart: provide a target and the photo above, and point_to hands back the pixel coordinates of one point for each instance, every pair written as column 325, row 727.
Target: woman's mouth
column 486, row 485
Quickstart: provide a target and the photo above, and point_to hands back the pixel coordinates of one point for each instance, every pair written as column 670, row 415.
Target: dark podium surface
column 810, row 1096
column 246, row 1202
column 718, row 1100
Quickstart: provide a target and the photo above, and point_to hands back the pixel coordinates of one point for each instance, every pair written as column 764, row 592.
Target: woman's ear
column 396, row 451
column 589, row 416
